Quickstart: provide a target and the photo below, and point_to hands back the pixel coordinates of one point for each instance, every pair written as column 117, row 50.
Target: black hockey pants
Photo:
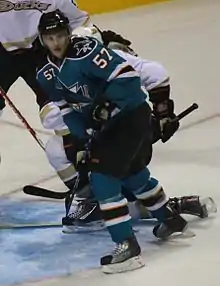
column 19, row 63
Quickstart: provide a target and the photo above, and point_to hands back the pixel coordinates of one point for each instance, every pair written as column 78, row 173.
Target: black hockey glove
column 166, row 118
column 164, row 121
column 74, row 149
column 169, row 128
column 116, row 41
column 101, row 113
column 110, row 36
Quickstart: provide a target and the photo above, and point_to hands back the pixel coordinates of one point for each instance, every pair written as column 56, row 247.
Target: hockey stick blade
column 41, row 192
column 30, row 226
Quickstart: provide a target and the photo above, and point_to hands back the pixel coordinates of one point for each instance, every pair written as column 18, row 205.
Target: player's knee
column 105, row 187
column 107, row 191
column 152, row 196
column 137, row 182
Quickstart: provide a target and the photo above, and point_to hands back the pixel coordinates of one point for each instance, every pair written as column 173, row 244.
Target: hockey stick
column 70, row 195
column 41, row 192
column 30, row 225
column 21, row 117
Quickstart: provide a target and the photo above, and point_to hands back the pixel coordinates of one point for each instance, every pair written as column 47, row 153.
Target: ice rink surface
column 184, row 36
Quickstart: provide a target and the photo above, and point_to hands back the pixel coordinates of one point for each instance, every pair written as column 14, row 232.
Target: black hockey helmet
column 53, row 21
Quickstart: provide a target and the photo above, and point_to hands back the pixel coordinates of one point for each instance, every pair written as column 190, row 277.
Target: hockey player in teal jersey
column 89, row 79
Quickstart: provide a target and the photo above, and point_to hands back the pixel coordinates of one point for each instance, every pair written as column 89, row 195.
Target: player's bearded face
column 57, row 43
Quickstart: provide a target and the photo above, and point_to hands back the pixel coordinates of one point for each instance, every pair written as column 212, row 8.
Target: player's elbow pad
column 50, row 116
column 159, row 94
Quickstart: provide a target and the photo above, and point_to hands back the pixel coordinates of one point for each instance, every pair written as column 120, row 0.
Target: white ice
column 184, row 36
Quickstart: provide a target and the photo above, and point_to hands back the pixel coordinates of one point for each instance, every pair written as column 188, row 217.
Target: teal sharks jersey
column 89, row 73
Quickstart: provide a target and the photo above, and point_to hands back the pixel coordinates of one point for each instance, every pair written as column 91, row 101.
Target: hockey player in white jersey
column 20, row 49
column 154, row 78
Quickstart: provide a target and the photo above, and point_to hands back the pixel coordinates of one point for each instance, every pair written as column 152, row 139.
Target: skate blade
column 128, row 265
column 89, row 227
column 209, row 204
column 185, row 234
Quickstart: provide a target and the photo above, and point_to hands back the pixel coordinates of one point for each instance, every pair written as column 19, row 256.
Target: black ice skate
column 193, row 205
column 174, row 225
column 125, row 257
column 86, row 216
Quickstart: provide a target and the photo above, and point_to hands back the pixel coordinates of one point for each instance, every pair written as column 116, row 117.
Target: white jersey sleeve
column 19, row 20
column 152, row 73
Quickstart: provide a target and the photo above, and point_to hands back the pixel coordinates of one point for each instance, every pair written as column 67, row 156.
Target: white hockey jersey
column 19, row 19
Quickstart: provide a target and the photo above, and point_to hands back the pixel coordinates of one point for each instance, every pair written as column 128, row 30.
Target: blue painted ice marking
column 30, row 254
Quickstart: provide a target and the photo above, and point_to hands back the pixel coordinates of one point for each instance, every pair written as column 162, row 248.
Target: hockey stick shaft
column 21, row 117
column 29, row 226
column 70, row 195
column 187, row 111
column 69, row 198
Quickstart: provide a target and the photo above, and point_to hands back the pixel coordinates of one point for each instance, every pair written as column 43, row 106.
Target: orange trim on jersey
column 113, row 208
column 116, row 218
